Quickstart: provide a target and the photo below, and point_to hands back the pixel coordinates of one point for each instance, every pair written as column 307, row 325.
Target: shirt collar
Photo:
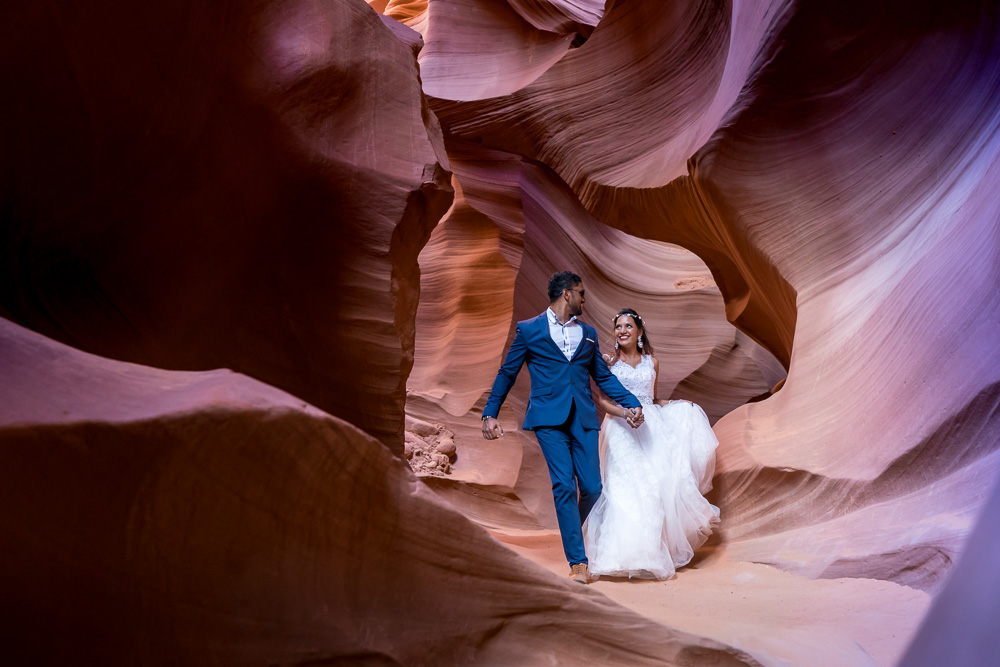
column 555, row 320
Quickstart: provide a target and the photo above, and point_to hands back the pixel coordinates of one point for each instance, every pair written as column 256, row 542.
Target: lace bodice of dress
column 639, row 380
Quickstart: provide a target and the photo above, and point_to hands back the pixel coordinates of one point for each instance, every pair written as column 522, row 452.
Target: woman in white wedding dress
column 652, row 513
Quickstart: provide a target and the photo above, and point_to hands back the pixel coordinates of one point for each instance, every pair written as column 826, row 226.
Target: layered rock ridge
column 242, row 186
column 846, row 215
column 485, row 268
column 160, row 517
column 832, row 214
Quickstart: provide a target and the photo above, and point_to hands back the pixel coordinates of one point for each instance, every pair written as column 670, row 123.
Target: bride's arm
column 608, row 405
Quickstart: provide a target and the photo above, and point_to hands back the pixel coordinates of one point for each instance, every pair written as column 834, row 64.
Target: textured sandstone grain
column 238, row 185
column 192, row 186
column 832, row 215
column 160, row 517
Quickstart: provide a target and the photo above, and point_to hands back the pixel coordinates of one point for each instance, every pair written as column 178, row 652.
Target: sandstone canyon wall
column 164, row 517
column 196, row 187
column 844, row 205
column 485, row 267
column 827, row 217
column 355, row 208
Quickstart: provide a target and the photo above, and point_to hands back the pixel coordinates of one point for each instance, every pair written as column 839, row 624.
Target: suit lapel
column 543, row 320
column 583, row 341
column 543, row 331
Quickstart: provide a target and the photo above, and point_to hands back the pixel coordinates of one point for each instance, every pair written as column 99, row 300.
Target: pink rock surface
column 619, row 117
column 845, row 209
column 887, row 417
column 960, row 628
column 481, row 48
column 193, row 186
column 159, row 517
column 561, row 16
column 826, row 218
column 237, row 185
column 776, row 617
column 622, row 110
column 485, row 267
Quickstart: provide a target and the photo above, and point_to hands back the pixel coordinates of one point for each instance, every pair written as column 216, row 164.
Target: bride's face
column 626, row 332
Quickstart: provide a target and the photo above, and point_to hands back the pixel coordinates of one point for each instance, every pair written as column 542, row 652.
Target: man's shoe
column 580, row 572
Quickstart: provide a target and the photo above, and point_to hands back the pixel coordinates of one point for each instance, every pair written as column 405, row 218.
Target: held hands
column 633, row 417
column 492, row 429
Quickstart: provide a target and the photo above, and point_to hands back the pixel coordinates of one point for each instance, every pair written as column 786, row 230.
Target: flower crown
column 637, row 317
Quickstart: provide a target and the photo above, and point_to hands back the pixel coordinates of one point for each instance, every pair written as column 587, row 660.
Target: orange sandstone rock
column 160, row 517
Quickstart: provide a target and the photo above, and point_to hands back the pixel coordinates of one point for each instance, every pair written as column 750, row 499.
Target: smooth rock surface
column 834, row 166
column 777, row 617
column 514, row 223
column 238, row 185
column 157, row 517
column 257, row 186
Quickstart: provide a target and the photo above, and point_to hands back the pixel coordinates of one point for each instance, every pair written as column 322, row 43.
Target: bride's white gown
column 651, row 515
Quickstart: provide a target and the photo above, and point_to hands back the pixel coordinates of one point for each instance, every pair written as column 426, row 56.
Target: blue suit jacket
column 556, row 382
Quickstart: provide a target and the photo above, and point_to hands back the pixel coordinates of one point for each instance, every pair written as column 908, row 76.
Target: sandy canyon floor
column 779, row 618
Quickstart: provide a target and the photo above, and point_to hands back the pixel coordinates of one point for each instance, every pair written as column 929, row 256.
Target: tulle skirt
column 652, row 513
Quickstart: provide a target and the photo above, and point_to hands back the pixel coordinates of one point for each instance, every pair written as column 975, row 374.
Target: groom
column 562, row 355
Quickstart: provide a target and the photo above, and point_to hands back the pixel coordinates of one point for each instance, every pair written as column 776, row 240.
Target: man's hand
column 636, row 419
column 492, row 429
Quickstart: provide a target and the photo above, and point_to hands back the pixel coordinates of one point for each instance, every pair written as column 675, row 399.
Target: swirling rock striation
column 486, row 267
column 619, row 117
column 891, row 387
column 230, row 185
column 249, row 186
column 849, row 222
column 156, row 517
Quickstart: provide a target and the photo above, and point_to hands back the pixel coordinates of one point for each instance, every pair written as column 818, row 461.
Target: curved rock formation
column 156, row 517
column 892, row 368
column 237, row 185
column 627, row 114
column 850, row 226
column 477, row 49
column 485, row 268
column 192, row 186
column 562, row 16
column 823, row 210
column 960, row 629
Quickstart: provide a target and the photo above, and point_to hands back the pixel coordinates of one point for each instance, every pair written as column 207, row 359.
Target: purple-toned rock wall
column 352, row 204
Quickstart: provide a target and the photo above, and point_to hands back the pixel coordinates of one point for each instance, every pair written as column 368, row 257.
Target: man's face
column 577, row 297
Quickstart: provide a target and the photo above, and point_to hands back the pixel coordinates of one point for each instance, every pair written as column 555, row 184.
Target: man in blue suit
column 562, row 355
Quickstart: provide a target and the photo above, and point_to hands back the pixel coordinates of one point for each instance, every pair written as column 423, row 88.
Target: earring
column 639, row 342
column 617, row 345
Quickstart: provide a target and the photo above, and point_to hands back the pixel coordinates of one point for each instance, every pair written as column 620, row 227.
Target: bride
column 652, row 514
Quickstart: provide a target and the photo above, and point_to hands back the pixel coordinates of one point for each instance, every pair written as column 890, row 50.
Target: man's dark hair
column 560, row 281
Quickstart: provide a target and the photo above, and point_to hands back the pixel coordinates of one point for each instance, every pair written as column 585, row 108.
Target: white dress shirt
column 566, row 336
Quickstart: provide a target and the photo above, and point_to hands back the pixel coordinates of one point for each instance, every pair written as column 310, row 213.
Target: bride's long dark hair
column 647, row 347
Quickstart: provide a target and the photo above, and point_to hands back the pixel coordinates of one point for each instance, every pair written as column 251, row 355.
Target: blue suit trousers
column 575, row 469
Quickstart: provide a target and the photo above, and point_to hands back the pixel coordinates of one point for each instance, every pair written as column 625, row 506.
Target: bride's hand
column 634, row 417
column 663, row 403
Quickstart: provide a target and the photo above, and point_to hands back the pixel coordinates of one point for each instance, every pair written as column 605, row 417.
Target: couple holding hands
column 656, row 457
